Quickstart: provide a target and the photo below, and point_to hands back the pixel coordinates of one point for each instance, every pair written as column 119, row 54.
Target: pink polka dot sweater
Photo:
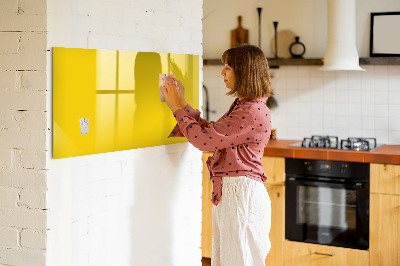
column 238, row 139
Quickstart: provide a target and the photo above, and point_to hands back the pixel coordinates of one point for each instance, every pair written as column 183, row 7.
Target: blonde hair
column 250, row 66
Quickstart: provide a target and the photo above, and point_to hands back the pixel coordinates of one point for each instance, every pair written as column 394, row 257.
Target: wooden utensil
column 239, row 35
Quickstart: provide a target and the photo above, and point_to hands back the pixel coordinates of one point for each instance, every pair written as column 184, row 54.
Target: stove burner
column 358, row 144
column 328, row 142
column 332, row 142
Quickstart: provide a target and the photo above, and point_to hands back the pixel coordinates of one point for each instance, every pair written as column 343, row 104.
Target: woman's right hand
column 181, row 91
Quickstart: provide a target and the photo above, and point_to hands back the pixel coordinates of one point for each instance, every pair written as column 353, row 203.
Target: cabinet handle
column 325, row 254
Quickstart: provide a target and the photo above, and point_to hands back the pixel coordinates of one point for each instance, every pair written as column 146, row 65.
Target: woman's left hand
column 171, row 96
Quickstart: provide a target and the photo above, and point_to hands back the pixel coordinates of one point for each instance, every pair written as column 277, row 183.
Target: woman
column 242, row 208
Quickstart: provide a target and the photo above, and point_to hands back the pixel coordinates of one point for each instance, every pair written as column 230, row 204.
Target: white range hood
column 341, row 51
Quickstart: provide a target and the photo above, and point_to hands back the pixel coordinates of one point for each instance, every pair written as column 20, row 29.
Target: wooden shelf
column 380, row 61
column 273, row 63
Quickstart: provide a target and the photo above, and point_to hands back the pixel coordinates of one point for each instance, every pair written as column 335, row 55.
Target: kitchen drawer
column 305, row 254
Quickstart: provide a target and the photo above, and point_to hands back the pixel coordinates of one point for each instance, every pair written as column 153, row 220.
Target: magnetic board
column 109, row 100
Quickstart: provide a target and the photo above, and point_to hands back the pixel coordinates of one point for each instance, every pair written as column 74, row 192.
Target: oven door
column 327, row 213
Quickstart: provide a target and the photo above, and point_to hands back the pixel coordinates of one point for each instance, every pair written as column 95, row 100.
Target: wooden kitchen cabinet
column 277, row 233
column 206, row 225
column 274, row 168
column 384, row 236
column 305, row 254
column 385, row 178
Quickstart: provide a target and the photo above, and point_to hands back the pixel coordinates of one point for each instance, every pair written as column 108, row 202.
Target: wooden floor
column 206, row 261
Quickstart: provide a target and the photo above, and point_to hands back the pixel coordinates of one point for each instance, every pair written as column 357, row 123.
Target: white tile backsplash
column 382, row 110
column 394, row 123
column 381, row 97
column 367, row 97
column 343, row 103
column 292, row 83
column 354, row 80
column 381, row 83
column 394, row 97
column 394, row 137
column 381, row 71
column 342, row 96
column 394, row 110
column 393, row 71
column 394, row 82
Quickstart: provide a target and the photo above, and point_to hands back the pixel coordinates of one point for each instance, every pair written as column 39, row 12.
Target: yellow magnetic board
column 108, row 100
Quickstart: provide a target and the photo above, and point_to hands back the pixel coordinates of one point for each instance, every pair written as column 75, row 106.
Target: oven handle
column 357, row 185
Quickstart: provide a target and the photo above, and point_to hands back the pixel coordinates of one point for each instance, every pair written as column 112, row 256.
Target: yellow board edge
column 109, row 100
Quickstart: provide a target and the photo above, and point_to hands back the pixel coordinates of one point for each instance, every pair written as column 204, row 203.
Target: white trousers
column 241, row 223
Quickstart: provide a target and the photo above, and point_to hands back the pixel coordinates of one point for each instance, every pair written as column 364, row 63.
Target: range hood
column 341, row 51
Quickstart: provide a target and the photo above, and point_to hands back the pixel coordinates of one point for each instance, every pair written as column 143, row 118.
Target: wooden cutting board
column 239, row 35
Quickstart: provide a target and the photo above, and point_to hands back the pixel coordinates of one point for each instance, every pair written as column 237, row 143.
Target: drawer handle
column 325, row 254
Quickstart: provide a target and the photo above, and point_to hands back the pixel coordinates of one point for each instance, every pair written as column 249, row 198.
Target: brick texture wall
column 136, row 207
column 23, row 132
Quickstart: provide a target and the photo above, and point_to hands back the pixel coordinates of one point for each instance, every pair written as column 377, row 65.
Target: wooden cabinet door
column 274, row 168
column 384, row 236
column 206, row 232
column 304, row 254
column 277, row 233
column 385, row 178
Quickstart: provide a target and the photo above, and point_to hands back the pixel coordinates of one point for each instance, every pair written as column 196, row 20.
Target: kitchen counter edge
column 385, row 154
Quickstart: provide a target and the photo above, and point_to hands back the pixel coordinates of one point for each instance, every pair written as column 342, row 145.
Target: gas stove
column 332, row 142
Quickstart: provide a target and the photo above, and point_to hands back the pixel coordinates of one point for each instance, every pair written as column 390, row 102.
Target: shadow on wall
column 155, row 204
column 154, row 195
column 146, row 71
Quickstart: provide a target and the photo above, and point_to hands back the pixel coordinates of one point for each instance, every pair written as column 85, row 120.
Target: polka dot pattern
column 238, row 139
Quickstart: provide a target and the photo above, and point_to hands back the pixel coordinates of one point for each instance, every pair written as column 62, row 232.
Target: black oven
column 327, row 202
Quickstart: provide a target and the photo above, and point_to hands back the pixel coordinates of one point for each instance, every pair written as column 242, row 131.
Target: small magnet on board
column 84, row 123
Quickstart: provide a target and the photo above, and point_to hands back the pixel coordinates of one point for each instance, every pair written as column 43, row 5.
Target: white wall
column 311, row 102
column 23, row 132
column 136, row 207
column 305, row 18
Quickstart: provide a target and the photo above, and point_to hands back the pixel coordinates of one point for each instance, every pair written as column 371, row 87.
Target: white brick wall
column 23, row 132
column 33, row 239
column 135, row 207
column 9, row 237
column 100, row 206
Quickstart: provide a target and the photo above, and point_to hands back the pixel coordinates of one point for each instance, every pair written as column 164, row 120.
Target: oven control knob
column 308, row 166
column 343, row 168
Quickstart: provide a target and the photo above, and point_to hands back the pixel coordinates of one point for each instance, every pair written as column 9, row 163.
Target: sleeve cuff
column 179, row 114
column 189, row 110
column 176, row 132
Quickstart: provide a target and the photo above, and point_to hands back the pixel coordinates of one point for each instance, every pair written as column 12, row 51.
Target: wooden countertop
column 389, row 154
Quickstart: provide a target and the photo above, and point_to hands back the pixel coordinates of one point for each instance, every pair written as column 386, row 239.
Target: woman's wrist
column 177, row 107
column 183, row 104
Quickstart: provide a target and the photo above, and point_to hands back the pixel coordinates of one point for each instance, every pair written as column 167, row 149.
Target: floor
column 206, row 261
